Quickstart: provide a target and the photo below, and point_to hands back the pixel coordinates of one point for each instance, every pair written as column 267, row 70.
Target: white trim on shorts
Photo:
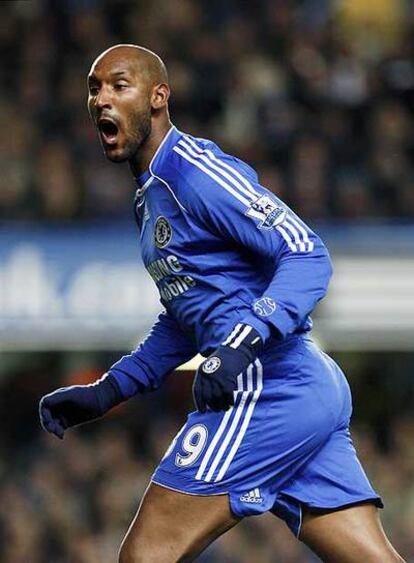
column 233, row 426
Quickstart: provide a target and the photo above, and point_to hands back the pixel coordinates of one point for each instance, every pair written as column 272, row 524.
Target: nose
column 103, row 99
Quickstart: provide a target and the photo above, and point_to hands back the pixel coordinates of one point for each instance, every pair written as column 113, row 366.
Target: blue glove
column 69, row 406
column 216, row 377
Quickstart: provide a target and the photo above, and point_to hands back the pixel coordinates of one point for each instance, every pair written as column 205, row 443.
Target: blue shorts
column 284, row 444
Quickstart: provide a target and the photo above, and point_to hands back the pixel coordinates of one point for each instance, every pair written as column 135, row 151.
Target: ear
column 160, row 95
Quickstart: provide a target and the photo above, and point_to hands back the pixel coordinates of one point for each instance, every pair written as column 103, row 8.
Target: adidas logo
column 252, row 496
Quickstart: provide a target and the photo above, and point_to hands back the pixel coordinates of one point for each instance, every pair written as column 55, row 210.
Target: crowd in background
column 318, row 95
column 71, row 501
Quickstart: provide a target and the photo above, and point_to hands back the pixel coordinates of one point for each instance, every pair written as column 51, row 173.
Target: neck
column 141, row 161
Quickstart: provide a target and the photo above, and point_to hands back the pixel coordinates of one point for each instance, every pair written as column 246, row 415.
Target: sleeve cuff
column 282, row 322
column 108, row 392
column 268, row 318
column 130, row 382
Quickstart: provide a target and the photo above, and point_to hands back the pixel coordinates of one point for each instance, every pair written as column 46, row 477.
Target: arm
column 227, row 199
column 300, row 279
column 165, row 348
column 301, row 273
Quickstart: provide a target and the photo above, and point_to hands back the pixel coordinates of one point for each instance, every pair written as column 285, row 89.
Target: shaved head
column 128, row 102
column 150, row 66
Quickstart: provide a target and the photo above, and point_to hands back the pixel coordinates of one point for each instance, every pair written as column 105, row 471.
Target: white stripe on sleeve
column 210, row 173
column 298, row 241
column 287, row 238
column 210, row 164
column 223, row 164
column 302, row 229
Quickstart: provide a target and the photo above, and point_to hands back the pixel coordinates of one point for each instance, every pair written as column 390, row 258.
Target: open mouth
column 109, row 130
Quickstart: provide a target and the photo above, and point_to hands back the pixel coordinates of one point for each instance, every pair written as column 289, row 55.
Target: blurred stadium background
column 319, row 96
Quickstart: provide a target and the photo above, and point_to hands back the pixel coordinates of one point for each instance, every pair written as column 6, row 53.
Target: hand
column 70, row 406
column 216, row 377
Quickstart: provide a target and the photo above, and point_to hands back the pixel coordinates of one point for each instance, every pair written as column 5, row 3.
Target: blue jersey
column 222, row 250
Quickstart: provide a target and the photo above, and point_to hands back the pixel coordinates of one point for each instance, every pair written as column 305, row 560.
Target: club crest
column 211, row 364
column 162, row 232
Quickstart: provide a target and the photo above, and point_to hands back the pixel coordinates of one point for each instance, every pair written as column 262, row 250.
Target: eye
column 120, row 86
column 93, row 90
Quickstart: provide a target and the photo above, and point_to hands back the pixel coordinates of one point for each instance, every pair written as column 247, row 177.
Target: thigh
column 172, row 526
column 350, row 535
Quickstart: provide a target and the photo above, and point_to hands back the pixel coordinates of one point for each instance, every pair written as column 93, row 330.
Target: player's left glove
column 216, row 377
column 70, row 406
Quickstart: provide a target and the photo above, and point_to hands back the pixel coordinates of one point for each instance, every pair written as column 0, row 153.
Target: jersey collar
column 169, row 140
column 163, row 150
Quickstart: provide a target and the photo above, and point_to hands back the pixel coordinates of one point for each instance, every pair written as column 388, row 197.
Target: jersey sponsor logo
column 264, row 307
column 211, row 365
column 163, row 267
column 170, row 282
column 162, row 232
column 174, row 287
column 252, row 497
column 268, row 211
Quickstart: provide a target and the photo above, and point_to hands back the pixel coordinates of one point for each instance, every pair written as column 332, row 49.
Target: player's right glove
column 70, row 406
column 216, row 378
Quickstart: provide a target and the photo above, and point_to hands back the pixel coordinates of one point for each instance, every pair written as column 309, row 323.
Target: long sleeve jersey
column 222, row 249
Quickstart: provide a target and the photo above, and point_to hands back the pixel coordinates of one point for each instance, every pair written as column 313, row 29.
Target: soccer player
column 238, row 274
